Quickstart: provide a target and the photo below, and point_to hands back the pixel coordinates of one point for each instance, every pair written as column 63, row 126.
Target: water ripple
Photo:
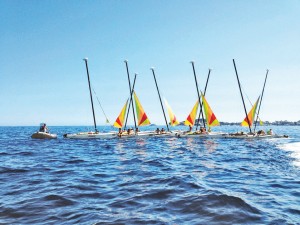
column 148, row 181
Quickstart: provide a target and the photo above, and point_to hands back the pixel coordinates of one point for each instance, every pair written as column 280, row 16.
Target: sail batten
column 120, row 119
column 248, row 121
column 190, row 120
column 141, row 115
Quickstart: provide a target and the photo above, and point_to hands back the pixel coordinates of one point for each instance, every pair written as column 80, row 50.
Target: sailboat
column 248, row 122
column 92, row 134
column 211, row 120
column 142, row 120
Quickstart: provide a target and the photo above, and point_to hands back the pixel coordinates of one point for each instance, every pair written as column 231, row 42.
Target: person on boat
column 120, row 132
column 162, row 131
column 190, row 128
column 261, row 132
column 44, row 128
column 157, row 131
column 137, row 130
column 270, row 132
column 238, row 134
column 202, row 130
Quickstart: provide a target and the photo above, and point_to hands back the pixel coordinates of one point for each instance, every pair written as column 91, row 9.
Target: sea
column 155, row 180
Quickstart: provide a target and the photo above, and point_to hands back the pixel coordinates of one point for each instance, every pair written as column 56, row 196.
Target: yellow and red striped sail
column 190, row 120
column 173, row 119
column 121, row 117
column 140, row 113
column 211, row 118
column 250, row 116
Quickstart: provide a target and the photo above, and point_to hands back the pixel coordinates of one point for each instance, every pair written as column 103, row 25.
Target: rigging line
column 107, row 120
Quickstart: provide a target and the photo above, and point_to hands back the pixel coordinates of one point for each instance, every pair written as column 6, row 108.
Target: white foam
column 294, row 148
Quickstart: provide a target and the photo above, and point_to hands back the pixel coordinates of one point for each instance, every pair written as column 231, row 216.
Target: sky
column 43, row 77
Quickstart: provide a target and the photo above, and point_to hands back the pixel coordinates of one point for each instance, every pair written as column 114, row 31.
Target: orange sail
column 190, row 120
column 173, row 119
column 121, row 117
column 250, row 116
column 211, row 118
column 140, row 113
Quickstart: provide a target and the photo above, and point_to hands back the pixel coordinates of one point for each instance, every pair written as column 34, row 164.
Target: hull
column 145, row 134
column 251, row 136
column 204, row 135
column 91, row 135
column 226, row 135
column 43, row 135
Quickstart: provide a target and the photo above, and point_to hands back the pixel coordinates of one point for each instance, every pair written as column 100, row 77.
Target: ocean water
column 148, row 181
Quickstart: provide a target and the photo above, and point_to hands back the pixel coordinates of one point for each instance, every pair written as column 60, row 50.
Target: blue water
column 148, row 181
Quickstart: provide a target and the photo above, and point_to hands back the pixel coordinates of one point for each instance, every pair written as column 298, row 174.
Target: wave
column 58, row 200
column 4, row 170
column 294, row 148
column 217, row 208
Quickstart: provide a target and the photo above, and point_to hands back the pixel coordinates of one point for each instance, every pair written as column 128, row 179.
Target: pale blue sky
column 42, row 44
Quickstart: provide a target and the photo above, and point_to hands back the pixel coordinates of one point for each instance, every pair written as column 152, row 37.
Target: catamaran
column 91, row 134
column 142, row 120
column 249, row 119
column 211, row 121
column 248, row 122
column 173, row 120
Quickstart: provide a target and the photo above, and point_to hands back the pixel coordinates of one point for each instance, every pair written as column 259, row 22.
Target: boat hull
column 43, row 135
column 204, row 135
column 146, row 134
column 91, row 135
column 247, row 136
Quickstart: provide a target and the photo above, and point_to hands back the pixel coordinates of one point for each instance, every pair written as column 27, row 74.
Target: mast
column 88, row 75
column 130, row 92
column 198, row 94
column 201, row 110
column 262, row 94
column 237, row 76
column 160, row 99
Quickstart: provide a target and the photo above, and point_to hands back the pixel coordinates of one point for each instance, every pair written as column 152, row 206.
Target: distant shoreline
column 265, row 123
